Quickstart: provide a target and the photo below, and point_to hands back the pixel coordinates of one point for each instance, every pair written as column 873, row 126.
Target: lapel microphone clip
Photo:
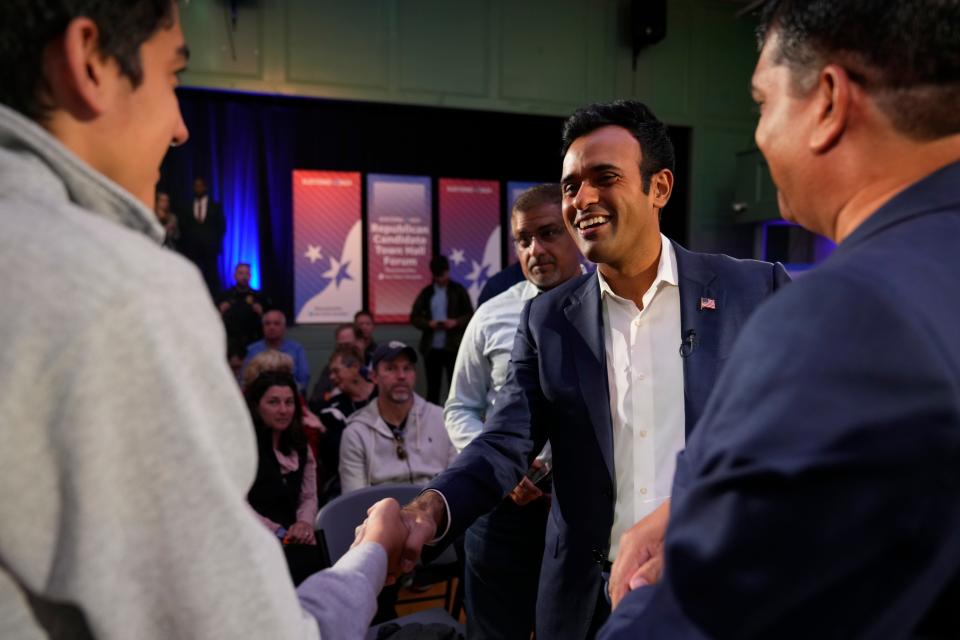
column 688, row 344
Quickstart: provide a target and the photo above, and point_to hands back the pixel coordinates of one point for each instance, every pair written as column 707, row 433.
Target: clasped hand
column 401, row 532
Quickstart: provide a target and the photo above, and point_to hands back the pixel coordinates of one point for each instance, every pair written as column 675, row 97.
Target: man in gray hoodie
column 400, row 437
column 127, row 449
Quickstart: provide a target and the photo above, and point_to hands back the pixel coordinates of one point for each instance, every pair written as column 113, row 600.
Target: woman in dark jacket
column 284, row 493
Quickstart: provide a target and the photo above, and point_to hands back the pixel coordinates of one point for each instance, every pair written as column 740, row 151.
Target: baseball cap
column 390, row 350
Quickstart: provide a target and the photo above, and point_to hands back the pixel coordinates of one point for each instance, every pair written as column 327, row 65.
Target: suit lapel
column 585, row 315
column 698, row 281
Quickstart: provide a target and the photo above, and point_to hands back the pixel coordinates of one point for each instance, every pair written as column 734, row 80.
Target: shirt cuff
column 446, row 506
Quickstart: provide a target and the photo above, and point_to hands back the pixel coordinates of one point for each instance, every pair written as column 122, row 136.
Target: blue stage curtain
column 247, row 146
column 224, row 147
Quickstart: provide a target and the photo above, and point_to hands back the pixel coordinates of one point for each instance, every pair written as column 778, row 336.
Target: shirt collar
column 529, row 291
column 666, row 273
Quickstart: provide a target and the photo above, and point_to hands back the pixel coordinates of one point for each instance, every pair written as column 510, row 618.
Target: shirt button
column 643, row 434
column 641, row 376
column 643, row 491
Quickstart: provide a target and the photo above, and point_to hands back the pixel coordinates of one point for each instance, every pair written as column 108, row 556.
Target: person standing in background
column 202, row 230
column 441, row 312
column 241, row 307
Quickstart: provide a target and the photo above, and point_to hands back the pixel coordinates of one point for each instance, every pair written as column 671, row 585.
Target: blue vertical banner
column 327, row 243
column 514, row 189
column 470, row 230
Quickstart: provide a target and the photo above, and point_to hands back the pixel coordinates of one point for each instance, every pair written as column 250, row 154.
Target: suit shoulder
column 742, row 266
column 558, row 295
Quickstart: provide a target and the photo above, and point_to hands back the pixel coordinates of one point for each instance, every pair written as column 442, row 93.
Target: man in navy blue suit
column 612, row 367
column 820, row 494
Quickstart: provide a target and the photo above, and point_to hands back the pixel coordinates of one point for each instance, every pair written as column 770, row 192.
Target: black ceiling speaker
column 648, row 21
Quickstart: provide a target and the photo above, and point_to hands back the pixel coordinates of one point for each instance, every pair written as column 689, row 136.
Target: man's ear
column 833, row 94
column 79, row 77
column 661, row 186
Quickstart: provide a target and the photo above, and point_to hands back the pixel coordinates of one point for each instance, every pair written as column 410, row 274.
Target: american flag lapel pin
column 708, row 303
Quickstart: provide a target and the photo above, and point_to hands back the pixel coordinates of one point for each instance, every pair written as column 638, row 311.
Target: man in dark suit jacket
column 202, row 230
column 571, row 381
column 820, row 494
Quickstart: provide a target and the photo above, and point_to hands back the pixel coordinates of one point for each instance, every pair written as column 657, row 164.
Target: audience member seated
column 355, row 392
column 273, row 360
column 328, row 386
column 274, row 337
column 242, row 307
column 269, row 360
column 400, row 437
column 236, row 355
column 363, row 323
column 284, row 493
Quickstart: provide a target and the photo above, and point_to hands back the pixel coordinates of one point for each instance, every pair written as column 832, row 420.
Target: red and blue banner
column 470, row 230
column 327, row 246
column 514, row 189
column 399, row 241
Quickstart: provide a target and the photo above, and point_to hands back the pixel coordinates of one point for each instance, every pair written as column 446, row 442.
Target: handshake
column 402, row 532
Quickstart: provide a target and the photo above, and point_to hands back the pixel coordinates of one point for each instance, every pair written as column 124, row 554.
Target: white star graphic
column 477, row 268
column 337, row 271
column 313, row 253
column 456, row 256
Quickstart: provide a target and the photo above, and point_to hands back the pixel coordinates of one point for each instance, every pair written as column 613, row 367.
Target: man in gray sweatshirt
column 127, row 450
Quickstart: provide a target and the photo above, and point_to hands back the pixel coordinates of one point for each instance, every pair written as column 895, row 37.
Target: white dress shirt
column 483, row 361
column 645, row 378
column 200, row 209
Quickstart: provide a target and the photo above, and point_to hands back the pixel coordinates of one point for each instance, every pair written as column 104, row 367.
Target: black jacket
column 459, row 308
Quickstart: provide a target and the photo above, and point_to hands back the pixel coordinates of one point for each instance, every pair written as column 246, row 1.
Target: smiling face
column 277, row 408
column 547, row 253
column 781, row 133
column 344, row 375
column 604, row 207
column 141, row 123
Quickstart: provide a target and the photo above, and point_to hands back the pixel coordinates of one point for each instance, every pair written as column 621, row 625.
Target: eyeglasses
column 401, row 450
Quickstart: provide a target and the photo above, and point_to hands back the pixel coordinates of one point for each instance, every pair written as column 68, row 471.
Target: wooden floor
column 437, row 590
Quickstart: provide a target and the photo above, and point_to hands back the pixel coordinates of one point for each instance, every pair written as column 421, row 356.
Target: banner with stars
column 399, row 240
column 327, row 245
column 470, row 230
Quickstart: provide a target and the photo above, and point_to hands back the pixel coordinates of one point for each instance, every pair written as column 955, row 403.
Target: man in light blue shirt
column 274, row 337
column 504, row 548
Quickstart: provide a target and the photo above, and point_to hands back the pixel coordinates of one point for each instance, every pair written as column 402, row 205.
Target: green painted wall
column 526, row 56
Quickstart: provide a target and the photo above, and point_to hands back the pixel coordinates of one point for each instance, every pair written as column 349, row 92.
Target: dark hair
column 346, row 325
column 439, row 265
column 537, row 196
column 362, row 312
column 28, row 26
column 293, row 436
column 656, row 149
column 236, row 350
column 242, row 264
column 349, row 355
column 905, row 54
